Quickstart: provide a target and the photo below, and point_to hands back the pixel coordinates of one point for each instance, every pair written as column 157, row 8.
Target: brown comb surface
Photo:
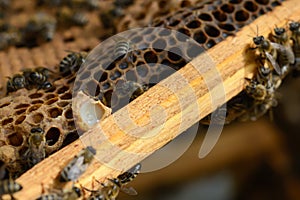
column 208, row 23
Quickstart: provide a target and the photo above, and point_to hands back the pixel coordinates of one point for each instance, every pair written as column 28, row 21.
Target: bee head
column 279, row 31
column 294, row 26
column 33, row 75
column 77, row 191
column 264, row 71
column 250, row 89
column 47, row 85
column 115, row 181
column 19, row 80
column 258, row 40
column 92, row 150
column 37, row 130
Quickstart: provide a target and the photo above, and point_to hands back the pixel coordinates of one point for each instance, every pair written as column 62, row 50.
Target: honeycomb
column 51, row 110
column 207, row 22
column 136, row 16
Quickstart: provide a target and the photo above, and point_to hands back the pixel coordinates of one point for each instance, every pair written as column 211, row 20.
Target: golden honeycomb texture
column 207, row 22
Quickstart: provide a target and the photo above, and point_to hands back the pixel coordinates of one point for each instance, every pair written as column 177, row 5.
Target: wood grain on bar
column 166, row 110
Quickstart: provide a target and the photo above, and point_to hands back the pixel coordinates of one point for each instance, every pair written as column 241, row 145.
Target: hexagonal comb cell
column 15, row 139
column 54, row 112
column 52, row 135
column 36, row 108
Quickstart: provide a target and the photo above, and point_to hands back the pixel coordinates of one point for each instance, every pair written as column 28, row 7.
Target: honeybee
column 256, row 90
column 78, row 165
column 67, row 16
column 66, row 194
column 9, row 37
column 71, row 63
column 295, row 29
column 111, row 189
column 267, row 78
column 15, row 83
column 9, row 186
column 108, row 18
column 139, row 91
column 41, row 24
column 264, row 98
column 129, row 175
column 123, row 3
column 286, row 56
column 264, row 75
column 36, row 142
column 49, row 2
column 131, row 89
column 38, row 77
column 270, row 51
column 122, row 47
column 89, row 4
column 81, row 4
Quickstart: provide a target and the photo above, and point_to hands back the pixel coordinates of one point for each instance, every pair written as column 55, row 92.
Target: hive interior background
column 51, row 110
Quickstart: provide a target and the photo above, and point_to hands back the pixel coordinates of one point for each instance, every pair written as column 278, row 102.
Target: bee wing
column 77, row 169
column 277, row 46
column 274, row 63
column 287, row 49
column 290, row 54
column 2, row 171
column 129, row 190
column 135, row 169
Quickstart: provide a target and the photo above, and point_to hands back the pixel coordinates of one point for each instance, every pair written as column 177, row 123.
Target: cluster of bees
column 71, row 12
column 7, row 185
column 39, row 77
column 115, row 13
column 29, row 79
column 277, row 57
column 71, row 172
column 41, row 27
column 276, row 60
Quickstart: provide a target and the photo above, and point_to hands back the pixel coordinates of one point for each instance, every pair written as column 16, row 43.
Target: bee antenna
column 250, row 36
column 248, row 79
column 257, row 30
column 33, row 125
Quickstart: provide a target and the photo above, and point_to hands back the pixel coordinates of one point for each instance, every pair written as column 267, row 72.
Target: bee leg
column 43, row 188
column 82, row 189
column 46, row 85
column 12, row 197
column 74, row 182
column 252, row 48
column 49, row 141
column 93, row 182
column 98, row 182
